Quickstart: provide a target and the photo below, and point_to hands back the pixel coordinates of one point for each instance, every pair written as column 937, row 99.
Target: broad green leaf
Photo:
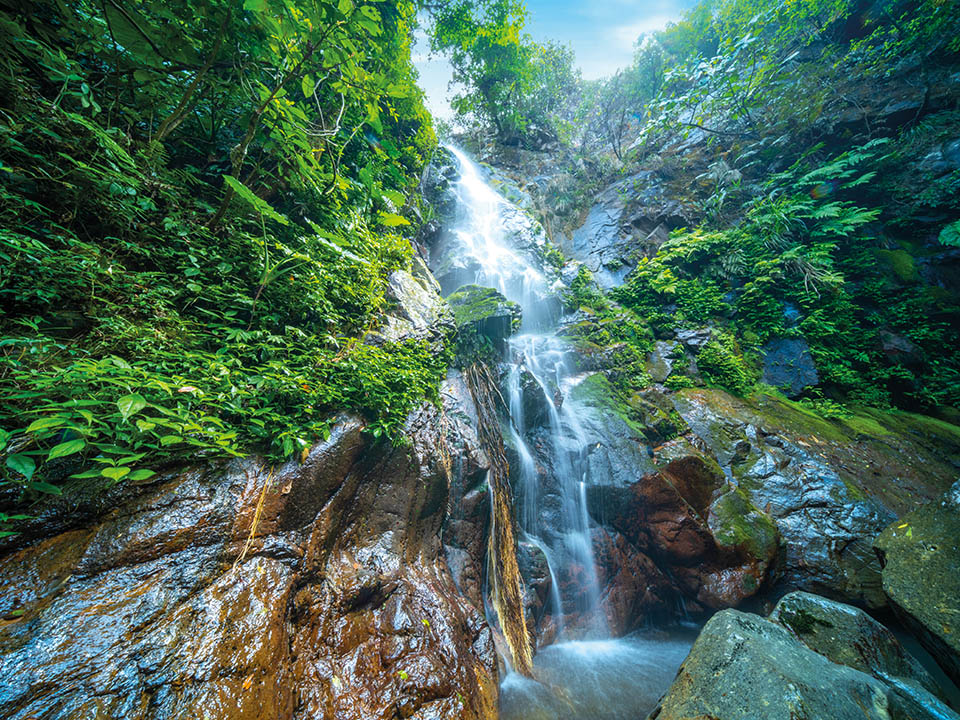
column 22, row 464
column 44, row 487
column 392, row 220
column 67, row 448
column 87, row 474
column 131, row 405
column 115, row 473
column 45, row 423
column 307, row 85
column 143, row 474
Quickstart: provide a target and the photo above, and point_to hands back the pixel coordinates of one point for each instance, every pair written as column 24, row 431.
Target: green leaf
column 392, row 220
column 115, row 473
column 170, row 440
column 67, row 448
column 345, row 6
column 44, row 487
column 950, row 235
column 45, row 423
column 141, row 474
column 22, row 464
column 307, row 85
column 258, row 204
column 131, row 405
column 87, row 474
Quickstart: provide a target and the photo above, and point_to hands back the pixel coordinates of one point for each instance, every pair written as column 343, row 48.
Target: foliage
column 507, row 81
column 200, row 204
column 721, row 363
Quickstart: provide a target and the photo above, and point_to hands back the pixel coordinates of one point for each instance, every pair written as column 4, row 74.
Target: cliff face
column 318, row 588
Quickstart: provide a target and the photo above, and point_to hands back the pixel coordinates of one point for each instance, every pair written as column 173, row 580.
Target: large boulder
column 920, row 554
column 830, row 486
column 802, row 662
column 313, row 589
column 661, row 499
column 483, row 311
column 788, row 365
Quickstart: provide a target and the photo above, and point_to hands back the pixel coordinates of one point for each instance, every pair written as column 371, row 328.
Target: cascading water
column 584, row 674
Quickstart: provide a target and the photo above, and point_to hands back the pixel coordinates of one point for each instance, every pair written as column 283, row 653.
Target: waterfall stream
column 584, row 673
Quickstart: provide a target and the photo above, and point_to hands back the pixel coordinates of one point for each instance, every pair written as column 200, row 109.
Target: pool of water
column 619, row 679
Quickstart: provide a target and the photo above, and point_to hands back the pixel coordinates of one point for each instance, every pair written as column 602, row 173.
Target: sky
column 601, row 32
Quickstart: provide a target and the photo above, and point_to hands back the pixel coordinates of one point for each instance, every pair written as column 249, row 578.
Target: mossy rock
column 475, row 304
column 737, row 523
column 649, row 416
column 920, row 554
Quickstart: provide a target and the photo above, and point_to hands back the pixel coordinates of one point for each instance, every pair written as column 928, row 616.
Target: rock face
column 787, row 364
column 803, row 662
column 920, row 554
column 484, row 311
column 830, row 487
column 671, row 515
column 315, row 590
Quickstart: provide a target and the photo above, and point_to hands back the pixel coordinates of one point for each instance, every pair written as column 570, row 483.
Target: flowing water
column 584, row 674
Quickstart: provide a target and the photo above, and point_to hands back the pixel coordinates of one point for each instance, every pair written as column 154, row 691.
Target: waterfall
column 582, row 672
column 551, row 493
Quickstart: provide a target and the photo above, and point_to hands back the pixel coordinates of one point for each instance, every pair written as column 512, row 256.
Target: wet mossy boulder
column 920, row 554
column 736, row 523
column 484, row 317
column 848, row 636
column 790, row 667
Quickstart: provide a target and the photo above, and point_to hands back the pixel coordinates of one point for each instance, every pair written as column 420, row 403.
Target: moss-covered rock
column 746, row 667
column 485, row 319
column 921, row 575
column 737, row 523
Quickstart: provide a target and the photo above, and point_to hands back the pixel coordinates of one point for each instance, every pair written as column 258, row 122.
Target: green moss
column 646, row 418
column 737, row 522
column 801, row 621
column 475, row 303
column 901, row 263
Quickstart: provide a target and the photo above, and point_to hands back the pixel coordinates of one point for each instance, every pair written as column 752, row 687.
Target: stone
column 418, row 311
column 486, row 312
column 848, row 636
column 662, row 360
column 788, row 365
column 694, row 338
column 236, row 590
column 744, row 667
column 920, row 554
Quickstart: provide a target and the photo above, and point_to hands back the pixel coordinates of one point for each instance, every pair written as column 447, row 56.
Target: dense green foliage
column 200, row 203
column 508, row 83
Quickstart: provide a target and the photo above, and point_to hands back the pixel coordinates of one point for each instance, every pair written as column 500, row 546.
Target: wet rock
column 694, row 338
column 899, row 350
column 484, row 311
column 635, row 590
column 788, row 365
column 848, row 636
column 316, row 589
column 921, row 575
column 830, row 487
column 662, row 360
column 745, row 666
column 468, row 505
column 418, row 312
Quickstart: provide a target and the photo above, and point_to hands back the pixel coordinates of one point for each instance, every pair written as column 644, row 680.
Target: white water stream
column 584, row 674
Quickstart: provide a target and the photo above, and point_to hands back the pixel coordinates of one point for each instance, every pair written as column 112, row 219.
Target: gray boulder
column 794, row 665
column 788, row 365
column 920, row 554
